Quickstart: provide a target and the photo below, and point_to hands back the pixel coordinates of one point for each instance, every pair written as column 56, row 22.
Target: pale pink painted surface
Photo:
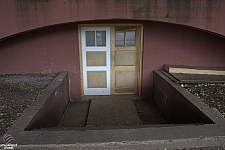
column 56, row 48
column 173, row 44
column 21, row 15
column 44, row 51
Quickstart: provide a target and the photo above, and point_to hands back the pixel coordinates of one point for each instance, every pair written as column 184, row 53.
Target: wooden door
column 126, row 59
column 96, row 60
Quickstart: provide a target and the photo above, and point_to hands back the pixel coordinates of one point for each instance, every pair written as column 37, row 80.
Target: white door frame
column 95, row 91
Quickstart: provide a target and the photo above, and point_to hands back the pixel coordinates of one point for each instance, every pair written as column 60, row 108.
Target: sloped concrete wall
column 50, row 106
column 175, row 107
column 22, row 15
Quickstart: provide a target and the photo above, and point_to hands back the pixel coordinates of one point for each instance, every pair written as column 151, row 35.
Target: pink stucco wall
column 21, row 15
column 49, row 42
column 44, row 51
column 55, row 48
column 178, row 45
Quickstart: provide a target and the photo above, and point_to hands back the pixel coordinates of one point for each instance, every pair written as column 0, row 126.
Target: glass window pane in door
column 101, row 38
column 130, row 38
column 119, row 38
column 90, row 38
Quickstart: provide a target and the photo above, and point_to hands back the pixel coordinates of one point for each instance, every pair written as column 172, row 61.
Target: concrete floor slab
column 76, row 114
column 148, row 112
column 112, row 111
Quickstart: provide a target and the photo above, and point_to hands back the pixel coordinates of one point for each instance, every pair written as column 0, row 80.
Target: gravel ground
column 17, row 92
column 213, row 94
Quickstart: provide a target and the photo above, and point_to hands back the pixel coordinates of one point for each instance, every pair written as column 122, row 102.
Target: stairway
column 101, row 112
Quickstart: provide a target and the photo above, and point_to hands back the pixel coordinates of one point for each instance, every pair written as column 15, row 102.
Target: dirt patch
column 17, row 92
column 213, row 94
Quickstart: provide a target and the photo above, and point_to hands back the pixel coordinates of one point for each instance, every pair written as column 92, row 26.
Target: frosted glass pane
column 101, row 38
column 124, row 79
column 96, row 58
column 97, row 79
column 90, row 38
column 130, row 38
column 119, row 38
column 124, row 58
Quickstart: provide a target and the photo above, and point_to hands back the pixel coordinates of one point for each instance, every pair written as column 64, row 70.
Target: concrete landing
column 112, row 111
column 75, row 114
column 149, row 113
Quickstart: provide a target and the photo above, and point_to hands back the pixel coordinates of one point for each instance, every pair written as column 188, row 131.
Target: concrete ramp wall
column 176, row 107
column 51, row 104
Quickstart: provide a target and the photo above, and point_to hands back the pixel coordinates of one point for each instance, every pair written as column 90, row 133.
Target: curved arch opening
column 56, row 48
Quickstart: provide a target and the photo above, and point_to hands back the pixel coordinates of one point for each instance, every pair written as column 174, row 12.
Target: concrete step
column 110, row 112
column 148, row 112
column 75, row 114
column 113, row 127
column 113, row 111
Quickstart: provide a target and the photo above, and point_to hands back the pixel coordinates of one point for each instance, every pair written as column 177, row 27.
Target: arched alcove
column 56, row 48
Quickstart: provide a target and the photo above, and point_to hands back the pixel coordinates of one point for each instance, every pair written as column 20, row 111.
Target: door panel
column 124, row 79
column 97, row 79
column 96, row 60
column 124, row 64
column 125, row 58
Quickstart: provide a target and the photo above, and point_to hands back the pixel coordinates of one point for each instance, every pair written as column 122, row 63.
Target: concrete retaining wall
column 22, row 15
column 174, row 105
column 51, row 105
